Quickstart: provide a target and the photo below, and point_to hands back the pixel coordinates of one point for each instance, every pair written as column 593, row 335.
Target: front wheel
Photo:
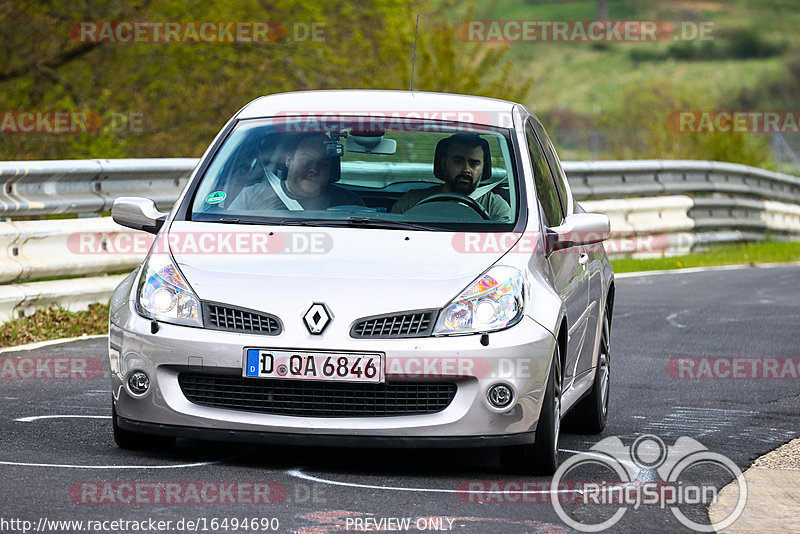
column 540, row 457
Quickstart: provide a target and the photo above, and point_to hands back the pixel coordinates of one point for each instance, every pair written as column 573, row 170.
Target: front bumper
column 518, row 357
column 325, row 440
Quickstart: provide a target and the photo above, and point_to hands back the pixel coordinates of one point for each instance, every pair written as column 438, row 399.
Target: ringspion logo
column 671, row 484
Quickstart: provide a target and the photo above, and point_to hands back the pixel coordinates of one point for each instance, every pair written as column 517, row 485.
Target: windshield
column 416, row 174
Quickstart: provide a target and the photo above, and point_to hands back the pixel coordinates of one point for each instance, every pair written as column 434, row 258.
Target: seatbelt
column 276, row 185
column 480, row 191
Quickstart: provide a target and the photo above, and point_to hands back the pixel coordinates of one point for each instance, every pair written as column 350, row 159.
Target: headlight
column 492, row 302
column 164, row 295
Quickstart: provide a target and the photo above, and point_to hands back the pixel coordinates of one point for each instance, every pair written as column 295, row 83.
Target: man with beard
column 461, row 162
column 308, row 182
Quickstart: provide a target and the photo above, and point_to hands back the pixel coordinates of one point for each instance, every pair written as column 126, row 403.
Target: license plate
column 299, row 365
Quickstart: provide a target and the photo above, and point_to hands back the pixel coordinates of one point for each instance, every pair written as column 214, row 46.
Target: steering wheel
column 457, row 197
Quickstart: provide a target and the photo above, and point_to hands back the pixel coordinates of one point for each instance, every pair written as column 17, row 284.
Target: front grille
column 232, row 319
column 316, row 399
column 411, row 324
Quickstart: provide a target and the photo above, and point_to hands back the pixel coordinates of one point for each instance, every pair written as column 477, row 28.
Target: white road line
column 39, row 417
column 40, row 344
column 72, row 466
column 705, row 269
column 671, row 319
column 603, row 457
column 299, row 474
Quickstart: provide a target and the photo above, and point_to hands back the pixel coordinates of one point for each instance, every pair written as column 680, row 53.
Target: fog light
column 138, row 382
column 500, row 395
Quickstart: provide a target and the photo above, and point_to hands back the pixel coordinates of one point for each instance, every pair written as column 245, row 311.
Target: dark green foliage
column 182, row 93
column 739, row 43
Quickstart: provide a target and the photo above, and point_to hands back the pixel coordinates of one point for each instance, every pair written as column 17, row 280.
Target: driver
column 460, row 161
column 308, row 182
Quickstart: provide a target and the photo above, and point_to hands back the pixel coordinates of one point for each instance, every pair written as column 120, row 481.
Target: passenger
column 461, row 161
column 245, row 173
column 307, row 184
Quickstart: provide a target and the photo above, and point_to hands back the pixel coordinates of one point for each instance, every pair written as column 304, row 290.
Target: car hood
column 356, row 272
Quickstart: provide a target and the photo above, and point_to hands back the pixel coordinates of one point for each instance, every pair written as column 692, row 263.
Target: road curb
column 773, row 494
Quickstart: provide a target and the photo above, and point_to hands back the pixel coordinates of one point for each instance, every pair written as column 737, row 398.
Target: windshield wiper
column 372, row 222
column 309, row 222
column 363, row 222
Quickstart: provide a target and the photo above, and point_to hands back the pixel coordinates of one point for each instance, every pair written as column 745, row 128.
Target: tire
column 540, row 457
column 590, row 415
column 125, row 439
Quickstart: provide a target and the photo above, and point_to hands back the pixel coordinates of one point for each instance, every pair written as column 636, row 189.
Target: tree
column 183, row 92
column 639, row 128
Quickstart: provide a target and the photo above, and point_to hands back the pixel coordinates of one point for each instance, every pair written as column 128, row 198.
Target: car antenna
column 414, row 57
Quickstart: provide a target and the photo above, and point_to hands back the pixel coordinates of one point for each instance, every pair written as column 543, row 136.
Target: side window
column 559, row 176
column 545, row 186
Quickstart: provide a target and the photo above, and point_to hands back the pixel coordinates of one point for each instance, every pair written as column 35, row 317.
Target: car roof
column 404, row 104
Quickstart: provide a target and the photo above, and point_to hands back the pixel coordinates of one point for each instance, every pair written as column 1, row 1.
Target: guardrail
column 90, row 186
column 648, row 202
column 638, row 178
column 32, row 188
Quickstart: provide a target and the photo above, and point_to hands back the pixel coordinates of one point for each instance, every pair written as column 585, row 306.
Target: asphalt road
column 68, row 468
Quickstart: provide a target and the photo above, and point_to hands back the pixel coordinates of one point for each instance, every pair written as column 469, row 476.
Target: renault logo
column 317, row 318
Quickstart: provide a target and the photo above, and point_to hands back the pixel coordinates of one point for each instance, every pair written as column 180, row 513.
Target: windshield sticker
column 216, row 197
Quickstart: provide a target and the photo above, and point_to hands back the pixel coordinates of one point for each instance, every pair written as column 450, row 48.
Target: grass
column 588, row 80
column 748, row 253
column 54, row 323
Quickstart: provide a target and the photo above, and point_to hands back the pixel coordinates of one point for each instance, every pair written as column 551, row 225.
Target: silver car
column 368, row 268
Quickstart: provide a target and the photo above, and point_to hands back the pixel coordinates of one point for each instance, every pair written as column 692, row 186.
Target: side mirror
column 579, row 229
column 138, row 213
